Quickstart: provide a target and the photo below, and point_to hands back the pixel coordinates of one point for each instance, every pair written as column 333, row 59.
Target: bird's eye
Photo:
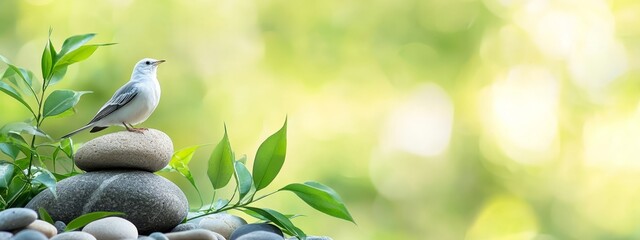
column 147, row 62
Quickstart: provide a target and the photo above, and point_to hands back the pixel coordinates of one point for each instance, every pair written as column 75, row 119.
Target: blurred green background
column 434, row 119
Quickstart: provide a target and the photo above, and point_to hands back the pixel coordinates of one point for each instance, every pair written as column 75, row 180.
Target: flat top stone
column 149, row 150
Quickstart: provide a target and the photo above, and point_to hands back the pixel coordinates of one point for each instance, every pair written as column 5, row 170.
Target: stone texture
column 158, row 236
column 5, row 235
column 75, row 235
column 44, row 227
column 260, row 235
column 255, row 227
column 151, row 202
column 60, row 226
column 199, row 234
column 147, row 151
column 222, row 223
column 14, row 218
column 112, row 228
column 29, row 235
column 185, row 227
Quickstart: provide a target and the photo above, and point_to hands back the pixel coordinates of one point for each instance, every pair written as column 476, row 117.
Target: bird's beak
column 158, row 62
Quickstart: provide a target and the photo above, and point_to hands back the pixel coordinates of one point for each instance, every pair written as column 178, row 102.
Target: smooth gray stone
column 44, row 227
column 260, row 235
column 145, row 238
column 222, row 223
column 29, row 235
column 14, row 218
column 111, row 228
column 158, row 236
column 75, row 235
column 151, row 202
column 149, row 151
column 200, row 234
column 60, row 226
column 185, row 227
column 256, row 227
column 5, row 235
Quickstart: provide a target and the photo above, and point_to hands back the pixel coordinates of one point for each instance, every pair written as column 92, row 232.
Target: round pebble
column 75, row 235
column 60, row 226
column 149, row 151
column 158, row 236
column 29, row 235
column 184, row 227
column 260, row 235
column 14, row 218
column 5, row 235
column 255, row 227
column 222, row 223
column 112, row 228
column 44, row 227
column 200, row 234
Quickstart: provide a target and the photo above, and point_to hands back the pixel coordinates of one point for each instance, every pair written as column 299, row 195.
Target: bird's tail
column 77, row 131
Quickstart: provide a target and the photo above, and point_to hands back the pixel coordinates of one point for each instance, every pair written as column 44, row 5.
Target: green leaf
column 7, row 89
column 6, row 174
column 77, row 55
column 74, row 42
column 243, row 177
column 10, row 150
column 48, row 56
column 280, row 220
column 44, row 215
column 25, row 75
column 221, row 163
column 60, row 101
column 47, row 179
column 320, row 197
column 88, row 218
column 20, row 127
column 66, row 145
column 260, row 217
column 269, row 158
column 58, row 74
column 180, row 162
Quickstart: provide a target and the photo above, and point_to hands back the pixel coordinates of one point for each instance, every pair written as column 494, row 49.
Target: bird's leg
column 130, row 128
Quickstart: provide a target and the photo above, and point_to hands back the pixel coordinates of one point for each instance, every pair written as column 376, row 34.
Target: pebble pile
column 22, row 224
column 120, row 178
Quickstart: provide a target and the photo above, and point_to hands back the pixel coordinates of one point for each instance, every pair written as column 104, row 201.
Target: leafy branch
column 223, row 165
column 25, row 173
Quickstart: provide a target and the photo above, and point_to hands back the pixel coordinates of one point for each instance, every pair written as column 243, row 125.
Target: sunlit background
column 434, row 119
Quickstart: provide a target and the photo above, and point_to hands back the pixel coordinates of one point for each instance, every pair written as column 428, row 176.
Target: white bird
column 133, row 103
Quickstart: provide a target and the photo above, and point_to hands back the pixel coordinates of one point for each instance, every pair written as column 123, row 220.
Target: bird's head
column 147, row 66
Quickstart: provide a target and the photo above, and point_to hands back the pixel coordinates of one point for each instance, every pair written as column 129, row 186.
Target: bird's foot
column 138, row 130
column 130, row 128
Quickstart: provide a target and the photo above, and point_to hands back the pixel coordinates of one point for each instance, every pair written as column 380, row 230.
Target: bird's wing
column 119, row 99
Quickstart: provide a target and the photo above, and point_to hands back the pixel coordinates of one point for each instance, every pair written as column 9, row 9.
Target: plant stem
column 237, row 205
column 39, row 121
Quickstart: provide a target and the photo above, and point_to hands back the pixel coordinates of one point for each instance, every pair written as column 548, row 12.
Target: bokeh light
column 434, row 119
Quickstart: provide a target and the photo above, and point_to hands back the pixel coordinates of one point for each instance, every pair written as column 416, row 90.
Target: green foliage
column 25, row 173
column 221, row 163
column 268, row 162
column 44, row 215
column 85, row 219
column 270, row 158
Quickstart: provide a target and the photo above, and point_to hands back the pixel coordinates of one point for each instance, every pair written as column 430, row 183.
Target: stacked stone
column 120, row 178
